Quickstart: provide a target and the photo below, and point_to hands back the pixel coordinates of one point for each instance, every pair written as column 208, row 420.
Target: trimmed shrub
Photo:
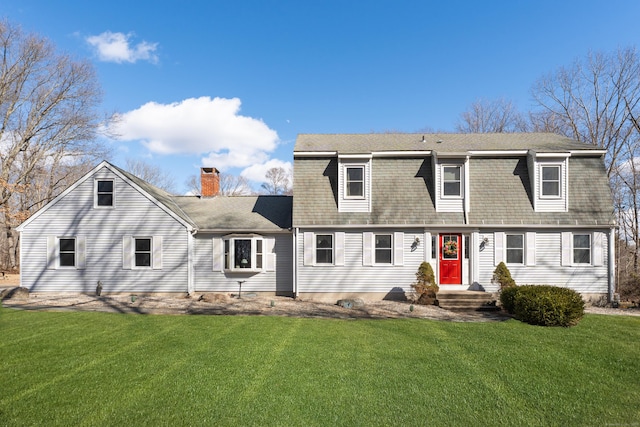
column 425, row 285
column 507, row 298
column 502, row 276
column 546, row 305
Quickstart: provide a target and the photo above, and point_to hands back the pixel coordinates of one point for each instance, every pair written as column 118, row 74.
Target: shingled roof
column 439, row 142
column 402, row 184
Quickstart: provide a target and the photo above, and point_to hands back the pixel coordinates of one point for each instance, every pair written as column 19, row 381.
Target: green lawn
column 64, row 368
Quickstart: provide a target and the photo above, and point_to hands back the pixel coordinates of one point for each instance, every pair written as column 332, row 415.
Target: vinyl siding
column 449, row 204
column 552, row 204
column 279, row 281
column 354, row 204
column 353, row 276
column 103, row 230
column 548, row 268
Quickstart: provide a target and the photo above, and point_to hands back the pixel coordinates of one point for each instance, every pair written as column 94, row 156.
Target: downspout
column 612, row 262
column 295, row 263
column 190, row 265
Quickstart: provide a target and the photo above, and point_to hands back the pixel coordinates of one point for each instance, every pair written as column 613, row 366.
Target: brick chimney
column 209, row 182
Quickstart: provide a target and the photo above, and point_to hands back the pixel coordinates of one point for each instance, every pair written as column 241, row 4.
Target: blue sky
column 230, row 84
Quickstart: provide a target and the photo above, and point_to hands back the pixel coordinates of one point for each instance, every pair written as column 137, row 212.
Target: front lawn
column 68, row 368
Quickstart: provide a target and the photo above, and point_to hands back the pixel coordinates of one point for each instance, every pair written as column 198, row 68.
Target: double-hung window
column 324, row 249
column 515, row 249
column 582, row 249
column 104, row 193
column 452, row 181
column 383, row 251
column 243, row 254
column 142, row 251
column 67, row 248
column 354, row 182
column 550, row 181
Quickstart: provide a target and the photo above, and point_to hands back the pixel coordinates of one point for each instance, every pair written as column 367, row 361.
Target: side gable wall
column 103, row 230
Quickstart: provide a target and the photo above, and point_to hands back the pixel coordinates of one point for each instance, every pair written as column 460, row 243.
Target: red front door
column 450, row 259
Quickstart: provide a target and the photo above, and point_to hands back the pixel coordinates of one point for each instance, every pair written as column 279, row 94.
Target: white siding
column 277, row 276
column 448, row 204
column 552, row 204
column 548, row 268
column 354, row 276
column 102, row 231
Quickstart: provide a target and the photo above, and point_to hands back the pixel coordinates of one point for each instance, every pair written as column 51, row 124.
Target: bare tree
column 152, row 174
column 485, row 116
column 277, row 181
column 48, row 121
column 230, row 185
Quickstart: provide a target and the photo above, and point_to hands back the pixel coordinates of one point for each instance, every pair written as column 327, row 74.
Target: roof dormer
column 549, row 174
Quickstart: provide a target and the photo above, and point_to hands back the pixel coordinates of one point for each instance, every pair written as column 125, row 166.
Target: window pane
column 383, row 241
column 515, row 256
column 143, row 259
column 434, row 247
column 451, row 188
column 581, row 241
column 550, row 189
column 450, row 247
column 226, row 254
column 105, row 186
column 582, row 256
column 67, row 259
column 383, row 249
column 354, row 174
column 324, row 249
column 551, row 173
column 383, row 256
column 324, row 256
column 143, row 245
column 67, row 245
column 242, row 256
column 324, row 241
column 105, row 199
column 354, row 189
column 515, row 241
column 581, row 248
column 451, row 173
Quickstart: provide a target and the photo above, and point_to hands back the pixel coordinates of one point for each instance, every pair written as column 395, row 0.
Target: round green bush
column 507, row 298
column 547, row 305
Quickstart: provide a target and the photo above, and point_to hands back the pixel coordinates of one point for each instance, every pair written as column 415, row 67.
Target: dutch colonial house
column 367, row 210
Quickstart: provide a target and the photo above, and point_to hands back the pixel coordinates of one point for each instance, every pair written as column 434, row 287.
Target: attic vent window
column 104, row 193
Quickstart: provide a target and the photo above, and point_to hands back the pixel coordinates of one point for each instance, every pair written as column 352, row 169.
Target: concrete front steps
column 468, row 301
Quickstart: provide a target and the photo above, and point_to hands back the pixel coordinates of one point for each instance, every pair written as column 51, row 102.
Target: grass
column 66, row 368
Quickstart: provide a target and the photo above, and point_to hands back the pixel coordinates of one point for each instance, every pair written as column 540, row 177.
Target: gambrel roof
column 402, row 179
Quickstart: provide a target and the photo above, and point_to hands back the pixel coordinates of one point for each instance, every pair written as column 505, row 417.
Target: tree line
column 50, row 117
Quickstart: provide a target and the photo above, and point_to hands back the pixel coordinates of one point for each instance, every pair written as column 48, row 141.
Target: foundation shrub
column 507, row 298
column 502, row 276
column 425, row 286
column 546, row 305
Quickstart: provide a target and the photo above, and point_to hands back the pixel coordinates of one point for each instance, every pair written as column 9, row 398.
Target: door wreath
column 450, row 248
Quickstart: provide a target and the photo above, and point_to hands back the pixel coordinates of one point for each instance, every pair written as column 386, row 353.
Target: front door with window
column 450, row 259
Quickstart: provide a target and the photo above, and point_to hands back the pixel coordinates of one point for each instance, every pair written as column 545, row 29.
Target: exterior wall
column 548, row 268
column 354, row 277
column 277, row 279
column 103, row 230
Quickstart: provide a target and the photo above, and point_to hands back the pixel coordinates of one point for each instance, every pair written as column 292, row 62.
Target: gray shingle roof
column 439, row 142
column 238, row 213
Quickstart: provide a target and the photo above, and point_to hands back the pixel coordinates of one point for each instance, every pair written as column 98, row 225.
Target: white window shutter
column 567, row 252
column 530, row 254
column 367, row 248
column 398, row 248
column 308, row 249
column 597, row 248
column 498, row 247
column 126, row 252
column 339, row 248
column 52, row 249
column 268, row 246
column 217, row 250
column 156, row 254
column 81, row 248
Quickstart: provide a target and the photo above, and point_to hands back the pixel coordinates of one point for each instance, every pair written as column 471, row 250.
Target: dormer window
column 550, row 181
column 354, row 182
column 451, row 181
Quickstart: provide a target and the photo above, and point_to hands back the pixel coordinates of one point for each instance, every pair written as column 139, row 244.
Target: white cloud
column 257, row 172
column 202, row 126
column 115, row 47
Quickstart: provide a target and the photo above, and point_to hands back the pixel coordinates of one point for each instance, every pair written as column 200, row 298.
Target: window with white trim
column 243, row 254
column 324, row 249
column 104, row 193
column 354, row 182
column 142, row 251
column 515, row 248
column 383, row 249
column 582, row 248
column 67, row 251
column 550, row 181
column 452, row 181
